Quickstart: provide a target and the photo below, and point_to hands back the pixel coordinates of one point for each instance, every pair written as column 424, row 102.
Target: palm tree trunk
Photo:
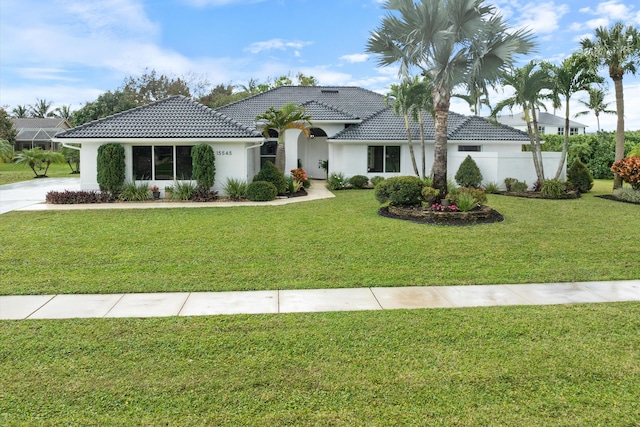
column 565, row 145
column 280, row 155
column 439, row 169
column 617, row 180
column 422, row 145
column 410, row 141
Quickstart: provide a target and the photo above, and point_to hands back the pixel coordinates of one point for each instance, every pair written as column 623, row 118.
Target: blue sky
column 71, row 51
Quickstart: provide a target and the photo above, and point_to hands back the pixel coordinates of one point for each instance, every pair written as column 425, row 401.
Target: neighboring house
column 548, row 124
column 352, row 129
column 36, row 132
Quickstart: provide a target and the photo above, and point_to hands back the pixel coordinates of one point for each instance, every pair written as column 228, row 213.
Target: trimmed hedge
column 400, row 191
column 111, row 167
column 272, row 174
column 469, row 174
column 261, row 191
column 579, row 176
column 204, row 165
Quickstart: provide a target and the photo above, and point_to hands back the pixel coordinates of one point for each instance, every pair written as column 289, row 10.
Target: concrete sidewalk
column 311, row 300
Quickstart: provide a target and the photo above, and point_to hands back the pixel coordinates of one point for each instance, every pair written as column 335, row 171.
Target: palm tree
column 529, row 84
column 20, row 112
column 572, row 76
column 41, row 108
column 617, row 48
column 36, row 157
column 596, row 104
column 398, row 98
column 290, row 116
column 420, row 101
column 455, row 43
column 6, row 150
column 63, row 112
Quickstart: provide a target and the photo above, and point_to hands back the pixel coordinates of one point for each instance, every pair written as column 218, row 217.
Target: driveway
column 27, row 193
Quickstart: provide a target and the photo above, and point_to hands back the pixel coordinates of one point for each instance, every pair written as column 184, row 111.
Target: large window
column 162, row 162
column 384, row 158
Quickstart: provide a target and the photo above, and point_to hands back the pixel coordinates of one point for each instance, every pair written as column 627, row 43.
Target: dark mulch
column 449, row 220
column 538, row 195
column 615, row 199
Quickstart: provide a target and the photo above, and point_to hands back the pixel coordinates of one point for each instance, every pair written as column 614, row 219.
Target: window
column 165, row 164
column 384, row 159
column 561, row 131
column 573, row 131
column 541, row 129
column 268, row 152
column 477, row 148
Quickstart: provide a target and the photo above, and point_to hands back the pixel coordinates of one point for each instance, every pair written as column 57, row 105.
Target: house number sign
column 224, row 153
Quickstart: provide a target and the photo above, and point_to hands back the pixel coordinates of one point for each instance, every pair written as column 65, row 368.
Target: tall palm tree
column 574, row 75
column 63, row 112
column 20, row 112
column 596, row 104
column 617, row 48
column 398, row 98
column 419, row 102
column 529, row 84
column 455, row 43
column 290, row 116
column 41, row 108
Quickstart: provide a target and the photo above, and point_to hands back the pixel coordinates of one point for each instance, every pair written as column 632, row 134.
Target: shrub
column 519, row 187
column 376, row 180
column 301, row 176
column 336, row 181
column 111, row 167
column 477, row 194
column 508, row 183
column 629, row 171
column 400, row 191
column 261, row 191
column 580, row 177
column 204, row 165
column 627, row 194
column 204, row 195
column 235, row 189
column 272, row 174
column 293, row 185
column 466, row 202
column 76, row 197
column 552, row 188
column 134, row 193
column 469, row 174
column 428, row 181
column 492, row 188
column 359, row 181
column 183, row 190
column 430, row 194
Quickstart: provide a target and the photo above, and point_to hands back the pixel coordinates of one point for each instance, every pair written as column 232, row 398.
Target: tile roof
column 340, row 102
column 39, row 123
column 544, row 118
column 386, row 126
column 173, row 117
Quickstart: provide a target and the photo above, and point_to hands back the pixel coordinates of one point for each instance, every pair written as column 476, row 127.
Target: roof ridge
column 329, row 106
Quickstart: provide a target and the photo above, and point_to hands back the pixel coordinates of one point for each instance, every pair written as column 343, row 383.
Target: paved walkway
column 28, row 193
column 312, row 300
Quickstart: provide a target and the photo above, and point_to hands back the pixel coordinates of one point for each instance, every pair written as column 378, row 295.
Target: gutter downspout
column 246, row 154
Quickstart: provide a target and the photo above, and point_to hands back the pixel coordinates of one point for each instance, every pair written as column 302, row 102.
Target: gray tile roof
column 173, row 117
column 544, row 118
column 39, row 123
column 340, row 102
column 386, row 126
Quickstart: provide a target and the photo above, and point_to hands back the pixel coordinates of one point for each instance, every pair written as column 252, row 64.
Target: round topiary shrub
column 580, row 177
column 111, row 167
column 272, row 174
column 261, row 191
column 469, row 174
column 359, row 181
column 376, row 180
column 400, row 191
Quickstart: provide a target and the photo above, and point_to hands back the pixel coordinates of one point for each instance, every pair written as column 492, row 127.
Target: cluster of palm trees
column 465, row 46
column 41, row 109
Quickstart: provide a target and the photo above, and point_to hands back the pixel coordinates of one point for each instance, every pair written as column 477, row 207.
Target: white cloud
column 543, row 18
column 355, row 58
column 611, row 9
column 275, row 44
column 215, row 3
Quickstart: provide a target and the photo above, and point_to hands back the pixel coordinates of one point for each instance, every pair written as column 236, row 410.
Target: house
column 352, row 128
column 37, row 132
column 548, row 123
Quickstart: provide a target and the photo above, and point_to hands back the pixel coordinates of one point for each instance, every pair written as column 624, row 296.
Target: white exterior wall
column 89, row 166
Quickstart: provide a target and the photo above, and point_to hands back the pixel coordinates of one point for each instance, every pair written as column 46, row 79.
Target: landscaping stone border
column 482, row 215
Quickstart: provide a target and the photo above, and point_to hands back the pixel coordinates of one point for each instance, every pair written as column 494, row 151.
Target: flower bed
column 481, row 215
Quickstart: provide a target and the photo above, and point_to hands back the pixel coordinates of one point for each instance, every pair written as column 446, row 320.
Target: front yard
column 546, row 365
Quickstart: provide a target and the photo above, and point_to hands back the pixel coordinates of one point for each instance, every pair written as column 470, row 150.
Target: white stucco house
column 548, row 124
column 352, row 128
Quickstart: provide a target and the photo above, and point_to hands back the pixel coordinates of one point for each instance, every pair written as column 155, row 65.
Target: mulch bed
column 615, row 199
column 483, row 215
column 538, row 195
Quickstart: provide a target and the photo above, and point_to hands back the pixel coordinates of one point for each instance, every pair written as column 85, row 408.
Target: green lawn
column 569, row 365
column 10, row 173
column 340, row 242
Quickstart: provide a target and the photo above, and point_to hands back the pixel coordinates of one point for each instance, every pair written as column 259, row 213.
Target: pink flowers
column 441, row 208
